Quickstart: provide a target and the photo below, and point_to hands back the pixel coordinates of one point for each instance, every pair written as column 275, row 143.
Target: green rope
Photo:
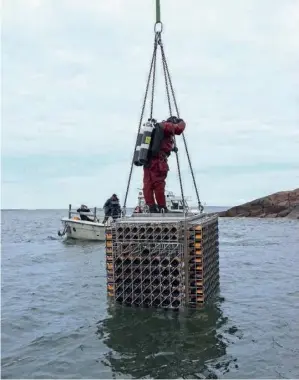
column 158, row 14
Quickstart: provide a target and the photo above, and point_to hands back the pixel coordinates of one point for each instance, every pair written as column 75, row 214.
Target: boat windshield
column 178, row 205
column 174, row 205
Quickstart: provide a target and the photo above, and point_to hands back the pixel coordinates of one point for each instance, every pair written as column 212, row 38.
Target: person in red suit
column 155, row 172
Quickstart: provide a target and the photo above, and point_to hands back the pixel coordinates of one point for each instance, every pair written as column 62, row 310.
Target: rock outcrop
column 282, row 204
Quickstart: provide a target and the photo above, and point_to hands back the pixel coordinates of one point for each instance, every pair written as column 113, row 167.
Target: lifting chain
column 152, row 66
column 166, row 78
column 169, row 89
column 166, row 70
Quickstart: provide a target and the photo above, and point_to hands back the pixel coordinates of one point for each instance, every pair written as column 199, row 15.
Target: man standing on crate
column 112, row 208
column 155, row 171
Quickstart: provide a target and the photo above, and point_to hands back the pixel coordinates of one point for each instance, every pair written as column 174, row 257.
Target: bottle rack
column 150, row 263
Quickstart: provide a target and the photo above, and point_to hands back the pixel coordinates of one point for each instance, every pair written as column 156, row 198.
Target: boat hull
column 83, row 230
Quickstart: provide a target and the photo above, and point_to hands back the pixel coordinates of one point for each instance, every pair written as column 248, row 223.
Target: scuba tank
column 137, row 150
column 149, row 127
column 149, row 142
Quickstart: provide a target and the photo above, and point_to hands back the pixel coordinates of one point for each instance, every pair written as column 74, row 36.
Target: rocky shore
column 284, row 204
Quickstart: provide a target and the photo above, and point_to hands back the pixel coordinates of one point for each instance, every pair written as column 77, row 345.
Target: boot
column 153, row 209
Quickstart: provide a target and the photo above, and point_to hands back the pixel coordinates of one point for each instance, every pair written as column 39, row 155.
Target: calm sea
column 56, row 322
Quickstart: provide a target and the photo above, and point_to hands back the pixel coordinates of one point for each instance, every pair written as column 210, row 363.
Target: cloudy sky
column 73, row 79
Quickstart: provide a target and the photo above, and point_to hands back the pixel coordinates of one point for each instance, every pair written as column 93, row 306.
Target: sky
column 73, row 80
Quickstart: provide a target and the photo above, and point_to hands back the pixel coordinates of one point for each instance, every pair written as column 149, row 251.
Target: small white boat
column 76, row 228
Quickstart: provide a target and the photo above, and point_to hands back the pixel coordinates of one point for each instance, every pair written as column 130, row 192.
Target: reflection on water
column 164, row 344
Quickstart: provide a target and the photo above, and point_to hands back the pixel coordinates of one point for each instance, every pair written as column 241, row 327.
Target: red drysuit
column 155, row 174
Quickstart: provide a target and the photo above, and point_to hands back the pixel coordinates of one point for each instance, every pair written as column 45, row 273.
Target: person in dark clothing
column 138, row 210
column 112, row 208
column 82, row 210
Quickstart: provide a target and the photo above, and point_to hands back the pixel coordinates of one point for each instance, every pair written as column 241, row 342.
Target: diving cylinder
column 149, row 127
column 137, row 150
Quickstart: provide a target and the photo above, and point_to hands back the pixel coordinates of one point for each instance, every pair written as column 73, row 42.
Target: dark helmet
column 173, row 119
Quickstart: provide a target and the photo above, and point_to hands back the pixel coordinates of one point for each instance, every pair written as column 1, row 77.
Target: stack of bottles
column 203, row 255
column 162, row 264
